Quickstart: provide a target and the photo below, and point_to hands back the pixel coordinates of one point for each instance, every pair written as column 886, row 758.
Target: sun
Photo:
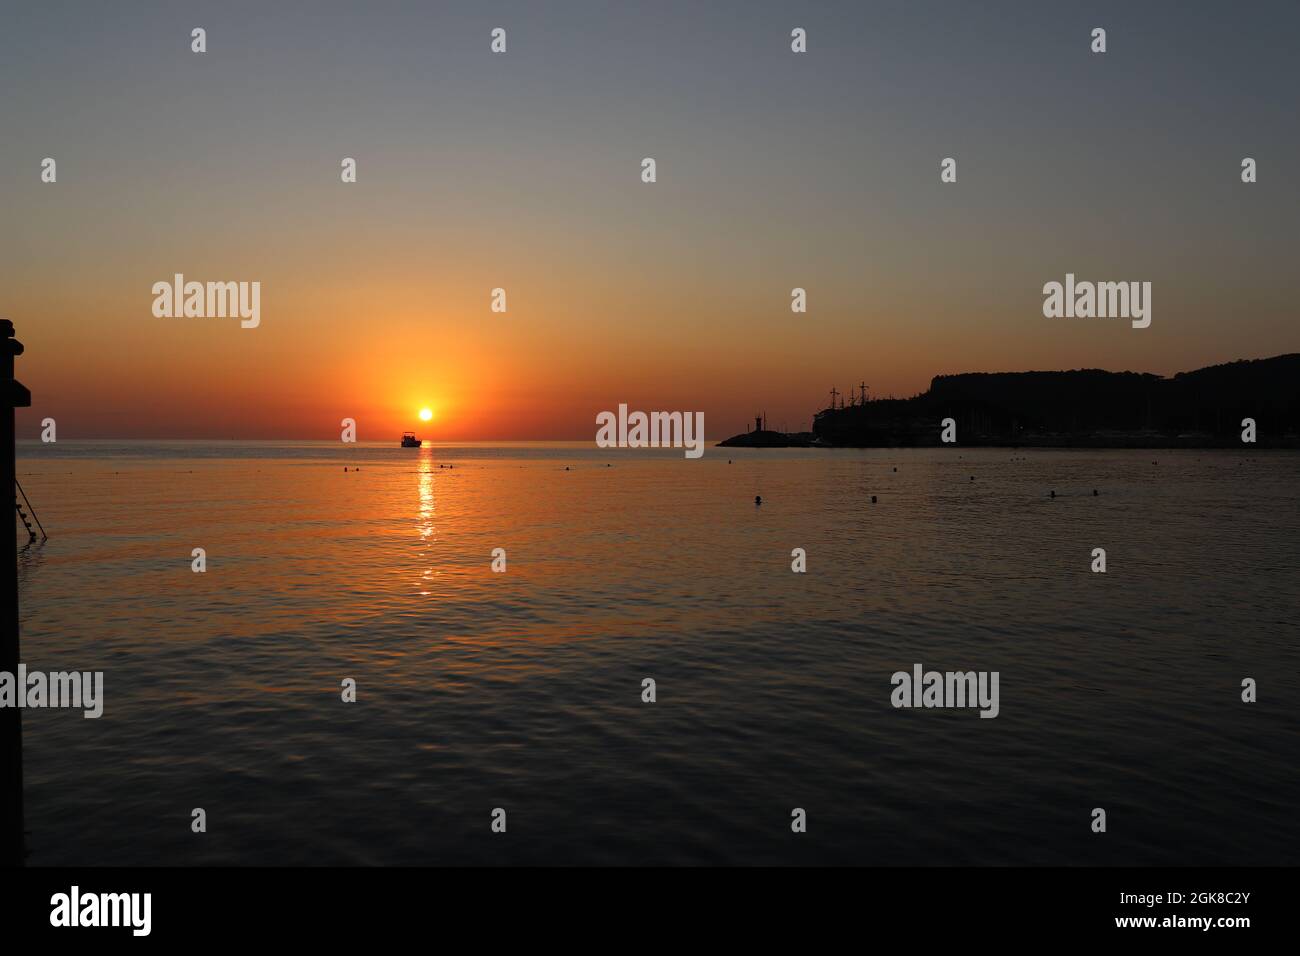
column 426, row 415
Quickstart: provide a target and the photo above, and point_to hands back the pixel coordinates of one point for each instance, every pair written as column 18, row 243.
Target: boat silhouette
column 409, row 440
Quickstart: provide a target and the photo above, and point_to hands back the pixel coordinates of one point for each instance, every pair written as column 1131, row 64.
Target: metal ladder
column 20, row 499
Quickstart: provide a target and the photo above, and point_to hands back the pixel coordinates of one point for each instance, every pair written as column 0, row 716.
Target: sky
column 522, row 171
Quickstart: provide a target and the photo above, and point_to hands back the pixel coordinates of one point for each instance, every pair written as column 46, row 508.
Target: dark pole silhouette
column 11, row 727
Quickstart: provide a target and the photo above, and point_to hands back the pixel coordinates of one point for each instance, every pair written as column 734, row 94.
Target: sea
column 517, row 696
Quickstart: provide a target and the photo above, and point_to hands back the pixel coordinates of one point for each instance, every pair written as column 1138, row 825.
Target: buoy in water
column 873, row 499
column 758, row 499
column 1053, row 494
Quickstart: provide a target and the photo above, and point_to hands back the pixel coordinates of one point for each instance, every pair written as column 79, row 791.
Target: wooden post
column 12, row 395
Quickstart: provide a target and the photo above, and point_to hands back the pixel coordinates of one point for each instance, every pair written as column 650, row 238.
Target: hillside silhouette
column 1085, row 407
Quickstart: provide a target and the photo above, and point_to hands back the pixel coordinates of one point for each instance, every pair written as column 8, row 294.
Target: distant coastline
column 1085, row 408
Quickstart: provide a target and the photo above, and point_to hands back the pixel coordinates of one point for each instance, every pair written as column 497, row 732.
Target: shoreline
column 1113, row 442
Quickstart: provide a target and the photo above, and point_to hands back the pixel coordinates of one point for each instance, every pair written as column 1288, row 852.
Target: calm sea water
column 522, row 690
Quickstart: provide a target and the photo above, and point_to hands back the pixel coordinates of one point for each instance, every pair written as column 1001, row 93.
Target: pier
column 11, row 727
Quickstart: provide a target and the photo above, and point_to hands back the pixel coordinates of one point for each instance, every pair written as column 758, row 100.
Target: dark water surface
column 522, row 690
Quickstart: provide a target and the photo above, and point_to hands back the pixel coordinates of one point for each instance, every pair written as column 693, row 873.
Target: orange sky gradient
column 522, row 172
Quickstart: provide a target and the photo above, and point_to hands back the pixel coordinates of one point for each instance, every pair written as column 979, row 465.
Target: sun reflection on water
column 424, row 471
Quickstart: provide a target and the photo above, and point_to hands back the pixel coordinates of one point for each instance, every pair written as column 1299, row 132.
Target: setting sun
column 426, row 414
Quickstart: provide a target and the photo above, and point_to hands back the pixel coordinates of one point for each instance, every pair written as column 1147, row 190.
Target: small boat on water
column 409, row 440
